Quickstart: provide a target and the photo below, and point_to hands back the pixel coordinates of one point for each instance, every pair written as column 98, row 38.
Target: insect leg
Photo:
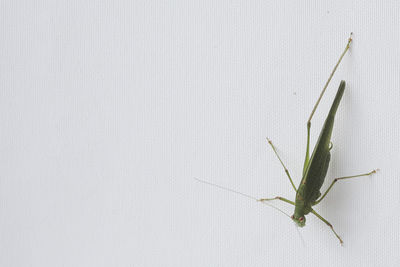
column 246, row 195
column 277, row 198
column 329, row 79
column 327, row 223
column 283, row 165
column 319, row 99
column 342, row 178
column 308, row 148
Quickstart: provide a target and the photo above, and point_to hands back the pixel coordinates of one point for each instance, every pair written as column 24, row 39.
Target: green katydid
column 315, row 167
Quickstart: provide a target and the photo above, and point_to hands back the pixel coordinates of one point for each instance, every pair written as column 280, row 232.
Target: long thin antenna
column 242, row 194
column 300, row 236
column 330, row 77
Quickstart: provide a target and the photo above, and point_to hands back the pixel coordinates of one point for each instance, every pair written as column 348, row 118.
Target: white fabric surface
column 109, row 109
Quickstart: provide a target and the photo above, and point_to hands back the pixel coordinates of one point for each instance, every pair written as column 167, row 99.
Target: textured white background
column 109, row 109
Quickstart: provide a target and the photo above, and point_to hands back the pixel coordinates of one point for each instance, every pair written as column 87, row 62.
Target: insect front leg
column 283, row 165
column 327, row 223
column 342, row 178
column 277, row 198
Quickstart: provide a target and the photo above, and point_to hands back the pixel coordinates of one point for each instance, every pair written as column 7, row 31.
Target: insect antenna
column 242, row 194
column 300, row 235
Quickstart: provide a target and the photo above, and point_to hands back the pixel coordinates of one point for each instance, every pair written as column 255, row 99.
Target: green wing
column 317, row 165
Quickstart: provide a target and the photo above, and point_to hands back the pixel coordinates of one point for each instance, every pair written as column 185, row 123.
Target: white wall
column 109, row 109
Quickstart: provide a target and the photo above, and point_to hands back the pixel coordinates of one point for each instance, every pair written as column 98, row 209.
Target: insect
column 315, row 167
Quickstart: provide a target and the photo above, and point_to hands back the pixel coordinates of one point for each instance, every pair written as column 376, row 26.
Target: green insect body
column 315, row 167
